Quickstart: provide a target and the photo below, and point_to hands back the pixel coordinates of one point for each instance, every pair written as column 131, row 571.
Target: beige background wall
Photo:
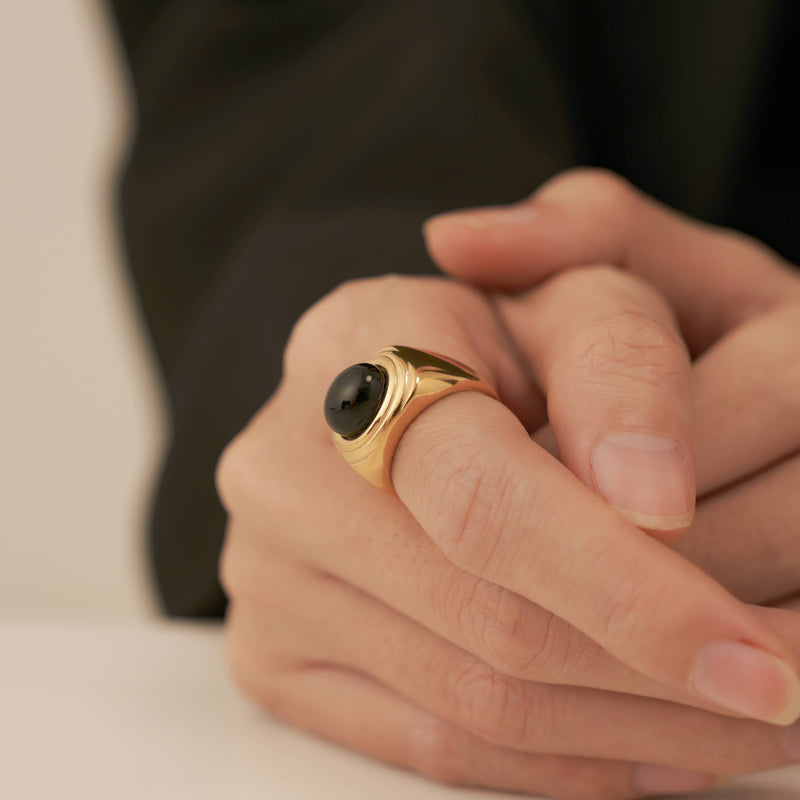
column 80, row 419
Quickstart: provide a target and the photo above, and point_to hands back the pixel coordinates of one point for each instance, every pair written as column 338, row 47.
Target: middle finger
column 331, row 622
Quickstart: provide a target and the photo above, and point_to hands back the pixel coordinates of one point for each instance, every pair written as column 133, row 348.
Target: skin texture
column 501, row 624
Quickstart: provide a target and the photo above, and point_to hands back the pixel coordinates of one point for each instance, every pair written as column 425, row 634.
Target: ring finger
column 384, row 552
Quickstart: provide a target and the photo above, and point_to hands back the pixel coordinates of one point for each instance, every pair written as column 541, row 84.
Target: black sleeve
column 282, row 147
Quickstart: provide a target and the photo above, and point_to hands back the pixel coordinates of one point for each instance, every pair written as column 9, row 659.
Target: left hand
column 738, row 307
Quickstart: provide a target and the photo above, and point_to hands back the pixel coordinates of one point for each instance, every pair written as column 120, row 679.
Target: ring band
column 369, row 405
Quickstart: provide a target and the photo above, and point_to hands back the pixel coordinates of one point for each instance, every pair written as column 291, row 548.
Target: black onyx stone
column 354, row 398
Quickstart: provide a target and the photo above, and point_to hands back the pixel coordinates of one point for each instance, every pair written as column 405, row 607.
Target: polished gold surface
column 415, row 379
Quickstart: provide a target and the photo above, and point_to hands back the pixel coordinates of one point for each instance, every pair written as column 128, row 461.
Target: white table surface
column 145, row 710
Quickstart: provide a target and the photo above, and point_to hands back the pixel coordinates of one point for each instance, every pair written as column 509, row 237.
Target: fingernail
column 792, row 742
column 657, row 779
column 747, row 680
column 645, row 478
column 484, row 218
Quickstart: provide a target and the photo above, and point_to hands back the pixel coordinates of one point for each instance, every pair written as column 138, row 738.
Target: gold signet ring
column 369, row 405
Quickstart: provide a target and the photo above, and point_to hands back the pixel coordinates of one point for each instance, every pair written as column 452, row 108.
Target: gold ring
column 369, row 405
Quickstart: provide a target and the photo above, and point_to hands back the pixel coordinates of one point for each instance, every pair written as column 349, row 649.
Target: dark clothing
column 284, row 146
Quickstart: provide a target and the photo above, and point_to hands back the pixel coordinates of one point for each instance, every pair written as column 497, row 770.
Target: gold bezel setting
column 415, row 379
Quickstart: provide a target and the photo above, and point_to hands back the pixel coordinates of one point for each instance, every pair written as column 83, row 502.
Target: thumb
column 604, row 348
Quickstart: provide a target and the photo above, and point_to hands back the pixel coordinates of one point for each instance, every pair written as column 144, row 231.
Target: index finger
column 713, row 277
column 502, row 508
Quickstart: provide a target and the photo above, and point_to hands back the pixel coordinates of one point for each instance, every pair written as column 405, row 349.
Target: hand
column 425, row 630
column 739, row 309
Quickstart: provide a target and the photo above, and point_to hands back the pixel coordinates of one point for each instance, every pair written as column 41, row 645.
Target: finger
column 334, row 623
column 606, row 351
column 748, row 382
column 789, row 604
column 384, row 552
column 410, row 575
column 502, row 509
column 345, row 706
column 746, row 537
column 428, row 311
column 714, row 278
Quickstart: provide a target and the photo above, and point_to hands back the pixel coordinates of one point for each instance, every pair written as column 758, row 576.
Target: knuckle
column 629, row 345
column 339, row 315
column 233, row 474
column 419, row 309
column 586, row 779
column 495, row 622
column 592, row 782
column 260, row 688
column 490, row 704
column 472, row 497
column 550, row 652
column 244, row 679
column 333, row 316
column 435, row 750
column 254, row 681
column 627, row 621
column 777, row 376
column 312, row 328
column 241, row 571
column 789, row 366
column 228, row 566
column 599, row 185
column 258, row 663
column 621, row 622
column 251, row 471
column 440, row 752
column 245, row 475
column 738, row 245
column 609, row 281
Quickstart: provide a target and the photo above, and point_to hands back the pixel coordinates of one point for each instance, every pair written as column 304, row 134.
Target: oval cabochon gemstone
column 354, row 398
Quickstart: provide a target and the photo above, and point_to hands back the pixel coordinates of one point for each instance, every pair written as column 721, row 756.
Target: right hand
column 499, row 624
